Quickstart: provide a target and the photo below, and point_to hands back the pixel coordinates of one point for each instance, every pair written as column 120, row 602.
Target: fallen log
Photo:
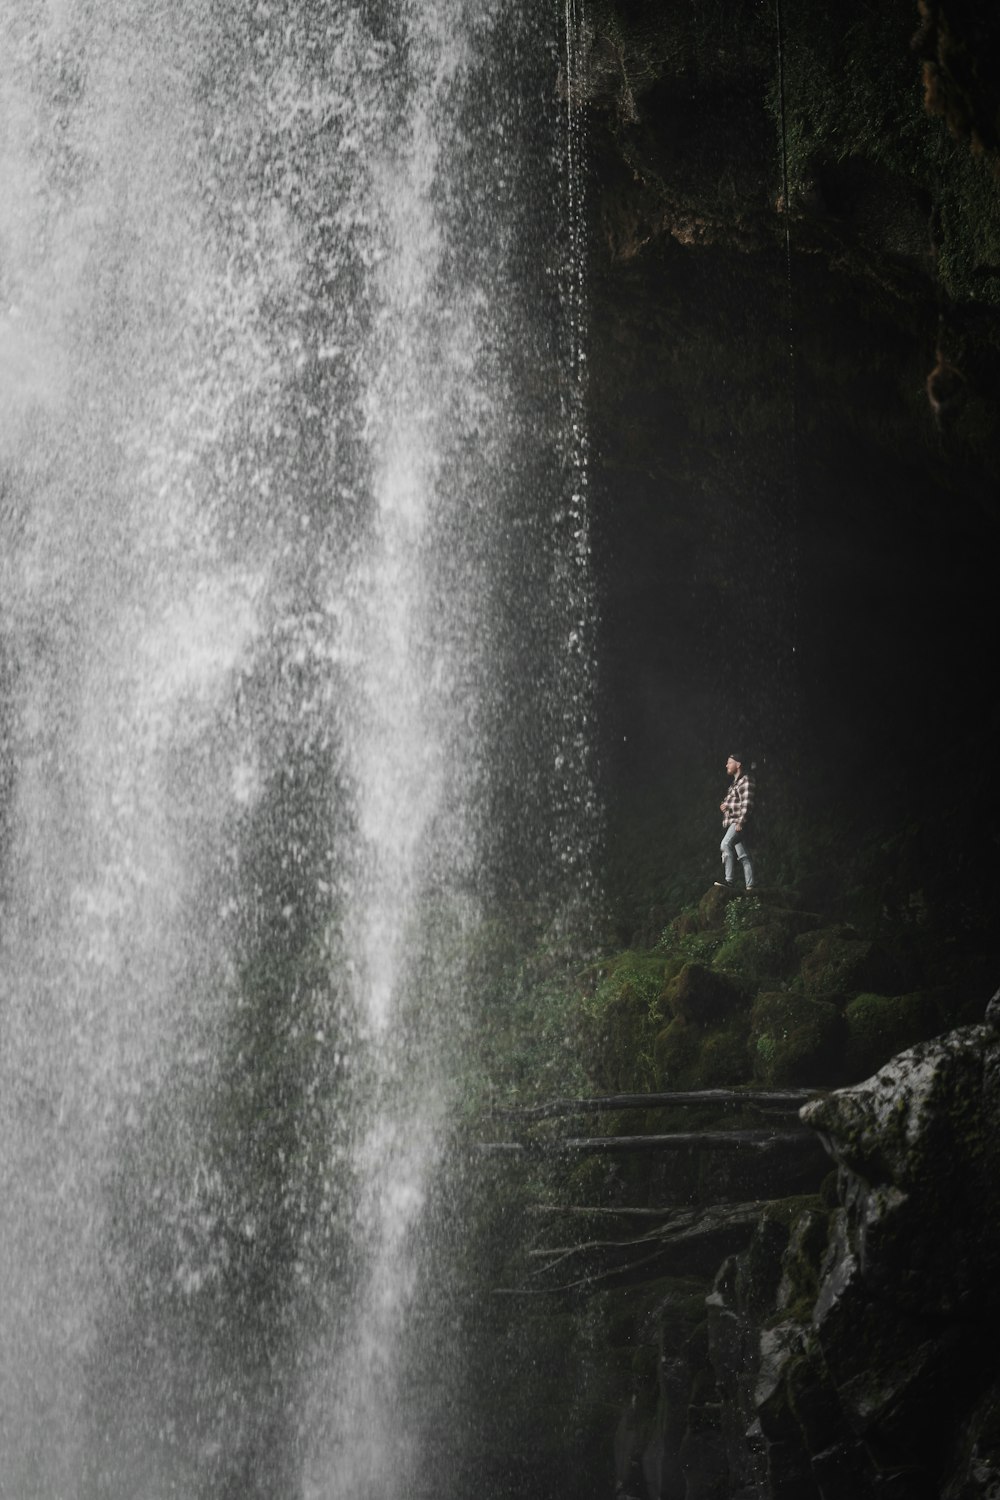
column 688, row 1140
column 601, row 1211
column 779, row 1099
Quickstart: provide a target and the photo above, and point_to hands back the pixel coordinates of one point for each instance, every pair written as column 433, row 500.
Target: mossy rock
column 790, row 918
column 785, row 898
column 620, row 1020
column 689, row 1057
column 701, row 947
column 879, row 1026
column 837, row 960
column 757, row 954
column 712, row 906
column 676, row 1052
column 701, row 995
column 795, row 1039
column 722, row 1060
column 768, row 909
column 673, row 963
column 800, row 1264
column 747, row 911
column 685, row 924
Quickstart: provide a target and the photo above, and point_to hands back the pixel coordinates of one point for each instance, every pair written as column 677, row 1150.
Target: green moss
column 677, row 1049
column 742, row 914
column 795, row 1040
column 723, row 1059
column 690, row 1057
column 770, row 908
column 756, row 955
column 620, row 1020
column 685, row 924
column 713, row 906
column 700, row 995
column 835, row 960
column 878, row 1026
column 800, row 1264
column 694, row 944
column 703, row 947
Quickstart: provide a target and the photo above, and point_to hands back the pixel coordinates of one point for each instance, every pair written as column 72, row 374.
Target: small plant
column 766, row 1048
column 743, row 914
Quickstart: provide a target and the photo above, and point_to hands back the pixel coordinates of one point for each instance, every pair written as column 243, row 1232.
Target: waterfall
column 295, row 641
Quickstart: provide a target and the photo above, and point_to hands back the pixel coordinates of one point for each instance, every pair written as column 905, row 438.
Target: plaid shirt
column 738, row 802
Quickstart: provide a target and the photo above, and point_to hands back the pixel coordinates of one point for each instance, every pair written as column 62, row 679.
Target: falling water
column 294, row 647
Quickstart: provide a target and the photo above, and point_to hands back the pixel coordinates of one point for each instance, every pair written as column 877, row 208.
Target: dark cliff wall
column 796, row 367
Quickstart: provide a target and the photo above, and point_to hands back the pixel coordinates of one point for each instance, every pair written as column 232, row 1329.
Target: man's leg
column 744, row 858
column 726, row 849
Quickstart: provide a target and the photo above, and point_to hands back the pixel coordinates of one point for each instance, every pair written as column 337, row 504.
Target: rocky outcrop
column 854, row 1354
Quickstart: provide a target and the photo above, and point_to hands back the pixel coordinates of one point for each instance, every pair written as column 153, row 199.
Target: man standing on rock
column 735, row 812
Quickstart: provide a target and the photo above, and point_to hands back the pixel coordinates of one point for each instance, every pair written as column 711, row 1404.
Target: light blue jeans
column 733, row 849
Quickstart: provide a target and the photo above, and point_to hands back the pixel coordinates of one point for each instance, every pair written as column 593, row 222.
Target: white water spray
column 294, row 528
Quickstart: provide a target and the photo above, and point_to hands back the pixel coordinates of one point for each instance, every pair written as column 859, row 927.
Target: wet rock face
column 879, row 1128
column 856, row 1357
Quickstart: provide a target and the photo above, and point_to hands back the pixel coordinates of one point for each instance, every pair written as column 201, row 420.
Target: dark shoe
column 724, row 885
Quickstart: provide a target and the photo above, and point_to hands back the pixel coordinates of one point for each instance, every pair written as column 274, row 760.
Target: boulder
column 922, row 1119
column 758, row 955
column 701, row 995
column 685, row 924
column 676, row 1052
column 712, row 906
column 620, row 1020
column 908, row 1306
column 853, row 1352
column 836, row 959
column 795, row 1039
column 689, row 1056
column 723, row 1058
column 878, row 1026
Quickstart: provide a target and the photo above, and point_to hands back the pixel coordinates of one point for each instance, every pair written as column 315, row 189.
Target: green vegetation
column 795, row 1039
column 877, row 1024
column 731, row 991
column 735, row 989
